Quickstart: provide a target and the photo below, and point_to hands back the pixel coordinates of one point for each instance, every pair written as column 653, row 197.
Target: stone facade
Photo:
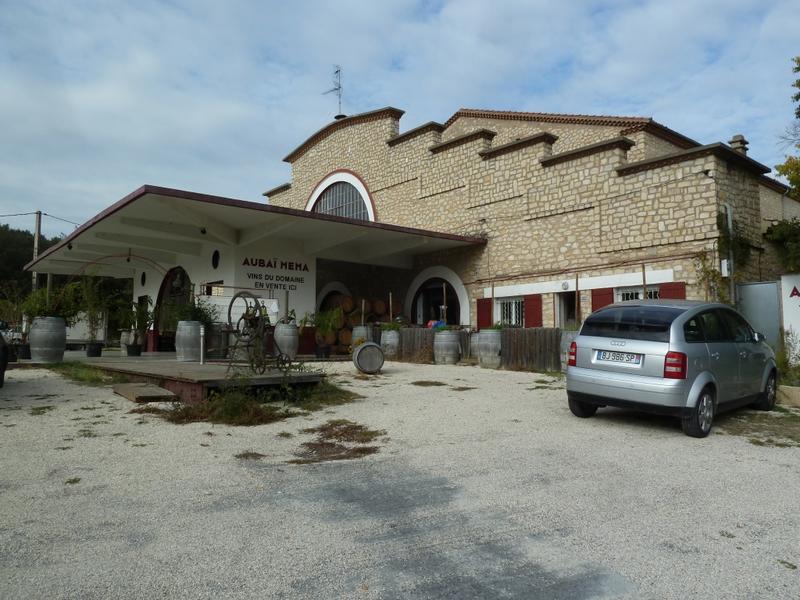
column 598, row 199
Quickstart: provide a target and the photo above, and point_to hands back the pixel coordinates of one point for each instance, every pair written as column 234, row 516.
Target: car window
column 649, row 323
column 736, row 323
column 693, row 331
column 714, row 327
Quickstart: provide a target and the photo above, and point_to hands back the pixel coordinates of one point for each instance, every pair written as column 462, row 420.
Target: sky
column 99, row 98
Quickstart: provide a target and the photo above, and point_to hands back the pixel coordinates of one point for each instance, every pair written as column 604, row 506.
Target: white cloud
column 98, row 98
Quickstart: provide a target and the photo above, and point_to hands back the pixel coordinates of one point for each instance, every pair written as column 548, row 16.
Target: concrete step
column 144, row 392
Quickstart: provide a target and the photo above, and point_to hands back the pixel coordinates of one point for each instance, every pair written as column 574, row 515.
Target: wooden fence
column 536, row 349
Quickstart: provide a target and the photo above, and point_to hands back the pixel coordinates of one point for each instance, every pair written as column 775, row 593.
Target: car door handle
column 715, row 355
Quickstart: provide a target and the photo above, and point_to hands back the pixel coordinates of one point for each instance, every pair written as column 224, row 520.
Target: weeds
column 787, row 564
column 72, row 481
column 41, row 410
column 463, row 388
column 285, row 434
column 337, row 439
column 779, row 428
column 248, row 455
column 83, row 373
column 428, row 383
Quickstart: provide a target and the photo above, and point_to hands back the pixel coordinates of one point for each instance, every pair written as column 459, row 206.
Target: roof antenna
column 337, row 89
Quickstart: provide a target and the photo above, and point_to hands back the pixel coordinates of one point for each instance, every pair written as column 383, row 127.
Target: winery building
column 531, row 219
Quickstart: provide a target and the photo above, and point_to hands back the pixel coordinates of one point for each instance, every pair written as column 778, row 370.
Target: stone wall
column 544, row 221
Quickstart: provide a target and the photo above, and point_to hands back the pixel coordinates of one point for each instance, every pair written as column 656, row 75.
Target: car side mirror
column 758, row 337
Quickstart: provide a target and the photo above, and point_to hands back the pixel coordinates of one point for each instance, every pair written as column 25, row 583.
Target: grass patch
column 63, row 447
column 424, row 383
column 72, row 481
column 787, row 564
column 87, row 433
column 343, row 430
column 83, row 373
column 147, row 410
column 237, row 406
column 41, row 410
column 285, row 434
column 463, row 388
column 338, row 439
column 250, row 455
column 779, row 428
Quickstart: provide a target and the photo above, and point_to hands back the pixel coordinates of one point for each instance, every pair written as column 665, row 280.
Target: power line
column 60, row 219
column 18, row 215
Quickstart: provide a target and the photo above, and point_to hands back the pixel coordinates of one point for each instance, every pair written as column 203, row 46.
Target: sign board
column 790, row 300
column 272, row 275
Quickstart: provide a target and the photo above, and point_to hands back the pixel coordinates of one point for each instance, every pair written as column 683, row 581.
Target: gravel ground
column 485, row 487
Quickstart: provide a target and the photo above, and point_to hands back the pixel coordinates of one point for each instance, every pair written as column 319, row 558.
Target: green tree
column 790, row 169
column 16, row 250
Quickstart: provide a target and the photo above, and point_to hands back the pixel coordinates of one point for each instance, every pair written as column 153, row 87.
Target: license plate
column 620, row 357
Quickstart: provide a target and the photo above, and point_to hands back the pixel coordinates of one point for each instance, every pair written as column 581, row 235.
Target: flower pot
column 94, row 349
column 187, row 341
column 133, row 349
column 390, row 343
column 446, row 347
column 48, row 339
column 287, row 339
column 490, row 346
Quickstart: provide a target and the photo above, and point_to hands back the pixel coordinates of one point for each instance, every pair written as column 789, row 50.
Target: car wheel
column 698, row 422
column 584, row 410
column 766, row 401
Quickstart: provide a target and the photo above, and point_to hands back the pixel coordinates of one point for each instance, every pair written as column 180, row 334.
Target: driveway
column 485, row 486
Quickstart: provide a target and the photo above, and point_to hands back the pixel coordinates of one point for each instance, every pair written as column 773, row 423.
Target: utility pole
column 37, row 232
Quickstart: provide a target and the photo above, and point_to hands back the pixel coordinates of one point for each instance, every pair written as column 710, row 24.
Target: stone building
column 578, row 211
column 531, row 219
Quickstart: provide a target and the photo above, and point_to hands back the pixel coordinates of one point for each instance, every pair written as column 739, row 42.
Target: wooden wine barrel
column 397, row 308
column 331, row 301
column 345, row 336
column 368, row 358
column 347, row 303
column 379, row 307
column 329, row 338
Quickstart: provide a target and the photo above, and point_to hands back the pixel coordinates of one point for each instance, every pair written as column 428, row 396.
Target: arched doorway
column 175, row 291
column 429, row 289
column 436, row 300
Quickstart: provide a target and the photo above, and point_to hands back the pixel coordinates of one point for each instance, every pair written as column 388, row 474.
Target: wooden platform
column 192, row 381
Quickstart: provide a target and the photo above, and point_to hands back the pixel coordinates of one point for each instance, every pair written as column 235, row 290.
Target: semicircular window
column 342, row 200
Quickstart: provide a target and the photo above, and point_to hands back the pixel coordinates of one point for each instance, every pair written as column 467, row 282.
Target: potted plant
column 287, row 336
column 446, row 345
column 51, row 314
column 490, row 343
column 390, row 339
column 141, row 317
column 325, row 323
column 191, row 317
column 94, row 309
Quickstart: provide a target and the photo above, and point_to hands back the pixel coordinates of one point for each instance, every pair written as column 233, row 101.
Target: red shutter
column 484, row 313
column 675, row 290
column 533, row 310
column 602, row 297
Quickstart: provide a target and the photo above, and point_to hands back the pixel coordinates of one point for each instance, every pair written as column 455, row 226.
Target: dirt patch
column 779, row 428
column 338, row 439
column 250, row 455
column 428, row 383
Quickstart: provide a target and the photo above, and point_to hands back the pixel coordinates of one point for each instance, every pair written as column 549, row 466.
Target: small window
column 649, row 323
column 635, row 293
column 214, row 288
column 512, row 311
column 714, row 327
column 693, row 331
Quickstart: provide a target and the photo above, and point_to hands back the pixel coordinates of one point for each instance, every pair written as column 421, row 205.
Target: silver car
column 674, row 357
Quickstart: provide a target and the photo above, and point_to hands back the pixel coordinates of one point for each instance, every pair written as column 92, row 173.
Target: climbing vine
column 710, row 278
column 785, row 235
column 741, row 245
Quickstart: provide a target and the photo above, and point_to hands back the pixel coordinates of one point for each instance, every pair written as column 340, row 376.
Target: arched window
column 342, row 200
